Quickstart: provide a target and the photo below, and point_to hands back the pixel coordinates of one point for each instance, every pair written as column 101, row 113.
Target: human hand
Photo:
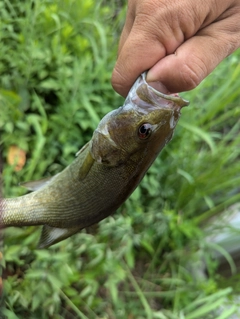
column 179, row 42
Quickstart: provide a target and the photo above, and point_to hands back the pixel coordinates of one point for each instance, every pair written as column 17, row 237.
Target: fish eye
column 144, row 131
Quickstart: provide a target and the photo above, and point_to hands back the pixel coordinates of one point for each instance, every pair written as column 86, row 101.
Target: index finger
column 130, row 64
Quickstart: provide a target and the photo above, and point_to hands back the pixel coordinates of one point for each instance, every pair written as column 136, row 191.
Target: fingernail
column 152, row 76
column 153, row 81
column 159, row 87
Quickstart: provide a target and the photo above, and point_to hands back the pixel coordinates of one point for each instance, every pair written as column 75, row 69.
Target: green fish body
column 106, row 170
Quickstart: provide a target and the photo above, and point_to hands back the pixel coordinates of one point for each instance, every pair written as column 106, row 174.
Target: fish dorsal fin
column 53, row 235
column 36, row 185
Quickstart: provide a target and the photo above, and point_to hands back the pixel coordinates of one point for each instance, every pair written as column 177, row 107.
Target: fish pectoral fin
column 82, row 149
column 53, row 235
column 86, row 166
column 36, row 185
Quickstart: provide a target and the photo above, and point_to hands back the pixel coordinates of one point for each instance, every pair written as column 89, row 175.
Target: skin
column 179, row 42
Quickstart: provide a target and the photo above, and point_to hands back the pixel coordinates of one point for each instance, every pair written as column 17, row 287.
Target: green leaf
column 205, row 136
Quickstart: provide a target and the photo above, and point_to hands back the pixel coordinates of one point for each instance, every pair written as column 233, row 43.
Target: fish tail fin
column 52, row 235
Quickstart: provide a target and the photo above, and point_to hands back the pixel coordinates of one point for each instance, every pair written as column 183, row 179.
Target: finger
column 147, row 37
column 197, row 57
column 128, row 68
column 130, row 17
column 141, row 46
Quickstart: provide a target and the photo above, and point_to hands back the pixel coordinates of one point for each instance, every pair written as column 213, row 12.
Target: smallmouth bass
column 106, row 170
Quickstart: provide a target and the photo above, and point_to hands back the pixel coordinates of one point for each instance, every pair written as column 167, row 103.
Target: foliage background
column 152, row 259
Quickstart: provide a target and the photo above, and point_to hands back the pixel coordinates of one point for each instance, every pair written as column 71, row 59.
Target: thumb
column 192, row 61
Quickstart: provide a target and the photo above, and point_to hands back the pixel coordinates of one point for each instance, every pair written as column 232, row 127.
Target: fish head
column 140, row 128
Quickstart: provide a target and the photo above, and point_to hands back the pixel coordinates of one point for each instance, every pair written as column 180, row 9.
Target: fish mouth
column 145, row 96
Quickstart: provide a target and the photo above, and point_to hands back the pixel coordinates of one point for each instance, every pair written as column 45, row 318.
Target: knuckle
column 152, row 19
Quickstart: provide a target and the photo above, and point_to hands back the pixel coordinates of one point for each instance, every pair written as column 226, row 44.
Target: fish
column 105, row 171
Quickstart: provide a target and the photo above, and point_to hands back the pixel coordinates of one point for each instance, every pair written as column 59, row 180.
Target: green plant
column 149, row 259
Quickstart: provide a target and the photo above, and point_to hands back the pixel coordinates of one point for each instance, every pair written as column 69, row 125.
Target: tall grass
column 151, row 259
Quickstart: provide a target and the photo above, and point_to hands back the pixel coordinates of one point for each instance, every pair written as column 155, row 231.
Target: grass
column 151, row 258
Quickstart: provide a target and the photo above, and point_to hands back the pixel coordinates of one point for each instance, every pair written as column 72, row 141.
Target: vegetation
column 152, row 258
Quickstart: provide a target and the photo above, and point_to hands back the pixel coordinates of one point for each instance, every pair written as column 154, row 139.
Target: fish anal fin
column 52, row 235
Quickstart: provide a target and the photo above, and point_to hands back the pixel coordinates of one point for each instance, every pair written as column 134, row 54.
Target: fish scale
column 106, row 170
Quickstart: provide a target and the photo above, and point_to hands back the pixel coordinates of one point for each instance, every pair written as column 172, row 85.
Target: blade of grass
column 217, row 209
column 209, row 299
column 139, row 292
